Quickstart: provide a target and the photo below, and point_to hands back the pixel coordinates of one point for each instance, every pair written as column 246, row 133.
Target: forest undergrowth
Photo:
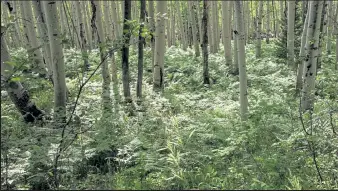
column 188, row 137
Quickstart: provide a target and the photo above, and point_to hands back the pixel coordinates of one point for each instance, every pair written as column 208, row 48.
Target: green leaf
column 16, row 79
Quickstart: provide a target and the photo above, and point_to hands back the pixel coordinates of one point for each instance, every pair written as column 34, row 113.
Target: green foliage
column 189, row 137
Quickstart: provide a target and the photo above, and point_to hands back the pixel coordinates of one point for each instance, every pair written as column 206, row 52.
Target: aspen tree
column 184, row 41
column 259, row 31
column 194, row 29
column 226, row 33
column 267, row 22
column 43, row 33
column 58, row 64
column 172, row 23
column 240, row 36
column 291, row 33
column 329, row 27
column 33, row 47
column 99, row 31
column 17, row 93
column 152, row 31
column 312, row 43
column 300, row 60
column 159, row 46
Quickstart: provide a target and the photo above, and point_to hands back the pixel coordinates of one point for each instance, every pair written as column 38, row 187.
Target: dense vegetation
column 189, row 135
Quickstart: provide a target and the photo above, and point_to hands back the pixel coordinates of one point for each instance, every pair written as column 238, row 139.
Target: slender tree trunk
column 43, row 32
column 291, row 33
column 172, row 23
column 267, row 22
column 275, row 24
column 321, row 35
column 107, row 21
column 159, row 46
column 329, row 27
column 241, row 60
column 33, row 45
column 312, row 43
column 17, row 93
column 86, row 25
column 226, row 33
column 194, row 28
column 168, row 25
column 58, row 63
column 235, row 66
column 140, row 50
column 281, row 5
column 336, row 33
column 125, row 51
column 181, row 25
column 198, row 7
column 116, row 26
column 259, row 31
column 206, row 79
column 301, row 59
column 99, row 31
column 152, row 31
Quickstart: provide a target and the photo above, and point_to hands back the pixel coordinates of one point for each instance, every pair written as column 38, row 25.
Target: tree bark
column 312, row 43
column 140, row 50
column 194, row 28
column 301, row 59
column 125, row 51
column 17, row 93
column 226, row 33
column 291, row 34
column 259, row 31
column 206, row 79
column 267, row 22
column 240, row 35
column 99, row 31
column 152, row 31
column 159, row 46
column 33, row 47
column 58, row 63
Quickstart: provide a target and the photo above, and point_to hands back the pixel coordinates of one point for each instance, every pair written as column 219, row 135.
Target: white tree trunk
column 301, row 58
column 226, row 33
column 291, row 33
column 194, row 29
column 33, row 47
column 103, row 53
column 57, row 62
column 43, row 35
column 312, row 43
column 159, row 46
column 331, row 16
column 268, row 22
column 259, row 31
column 16, row 91
column 240, row 35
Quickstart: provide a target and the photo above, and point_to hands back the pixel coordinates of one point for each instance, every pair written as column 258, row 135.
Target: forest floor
column 188, row 137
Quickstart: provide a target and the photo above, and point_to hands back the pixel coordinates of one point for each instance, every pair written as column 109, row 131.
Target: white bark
column 312, row 43
column 33, row 47
column 102, row 44
column 194, row 29
column 240, row 35
column 291, row 33
column 226, row 33
column 259, row 31
column 301, row 58
column 159, row 46
column 57, row 62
